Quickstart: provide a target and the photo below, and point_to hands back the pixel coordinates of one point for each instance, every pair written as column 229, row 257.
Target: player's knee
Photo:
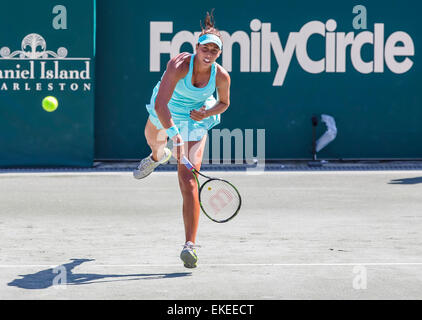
column 188, row 184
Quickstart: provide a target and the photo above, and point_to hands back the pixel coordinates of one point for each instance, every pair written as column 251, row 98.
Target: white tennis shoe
column 188, row 255
column 148, row 165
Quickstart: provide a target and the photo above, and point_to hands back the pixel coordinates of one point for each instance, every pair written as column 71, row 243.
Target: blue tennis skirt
column 189, row 129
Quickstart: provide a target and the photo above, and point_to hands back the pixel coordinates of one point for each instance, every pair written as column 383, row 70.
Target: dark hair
column 209, row 27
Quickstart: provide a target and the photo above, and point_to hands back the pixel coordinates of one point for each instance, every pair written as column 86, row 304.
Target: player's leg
column 157, row 141
column 189, row 188
column 191, row 208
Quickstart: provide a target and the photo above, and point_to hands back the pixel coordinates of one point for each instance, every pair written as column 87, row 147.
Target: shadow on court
column 63, row 275
column 407, row 181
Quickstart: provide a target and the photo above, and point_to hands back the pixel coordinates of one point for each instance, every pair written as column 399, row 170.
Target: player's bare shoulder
column 222, row 76
column 179, row 65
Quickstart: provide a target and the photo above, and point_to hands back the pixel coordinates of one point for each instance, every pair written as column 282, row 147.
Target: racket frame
column 191, row 168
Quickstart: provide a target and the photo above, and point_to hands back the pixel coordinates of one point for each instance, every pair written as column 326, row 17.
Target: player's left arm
column 223, row 93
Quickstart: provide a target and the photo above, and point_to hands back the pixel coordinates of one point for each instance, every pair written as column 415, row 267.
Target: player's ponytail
column 209, row 21
column 209, row 25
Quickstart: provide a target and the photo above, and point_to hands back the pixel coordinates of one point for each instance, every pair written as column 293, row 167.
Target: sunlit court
column 300, row 235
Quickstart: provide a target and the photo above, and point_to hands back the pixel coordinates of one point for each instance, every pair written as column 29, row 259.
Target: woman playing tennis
column 183, row 109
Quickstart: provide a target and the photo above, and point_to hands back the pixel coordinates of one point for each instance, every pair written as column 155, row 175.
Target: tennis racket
column 219, row 199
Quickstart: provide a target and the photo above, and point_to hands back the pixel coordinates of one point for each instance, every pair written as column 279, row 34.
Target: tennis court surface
column 299, row 235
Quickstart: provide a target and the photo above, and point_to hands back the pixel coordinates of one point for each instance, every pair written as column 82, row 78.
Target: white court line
column 213, row 173
column 235, row 265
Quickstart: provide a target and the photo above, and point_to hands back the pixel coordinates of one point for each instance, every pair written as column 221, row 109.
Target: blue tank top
column 185, row 98
column 187, row 95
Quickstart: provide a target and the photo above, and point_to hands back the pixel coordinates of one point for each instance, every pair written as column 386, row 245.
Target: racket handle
column 187, row 163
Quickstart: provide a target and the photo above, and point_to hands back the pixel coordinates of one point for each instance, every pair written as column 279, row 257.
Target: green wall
column 377, row 114
column 35, row 36
column 377, row 107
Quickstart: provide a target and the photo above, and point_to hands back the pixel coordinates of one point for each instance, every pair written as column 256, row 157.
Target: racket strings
column 219, row 199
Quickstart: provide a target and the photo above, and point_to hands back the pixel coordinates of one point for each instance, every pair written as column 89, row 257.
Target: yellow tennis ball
column 209, row 188
column 50, row 104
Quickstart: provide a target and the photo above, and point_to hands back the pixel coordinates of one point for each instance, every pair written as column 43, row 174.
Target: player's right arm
column 174, row 72
column 177, row 68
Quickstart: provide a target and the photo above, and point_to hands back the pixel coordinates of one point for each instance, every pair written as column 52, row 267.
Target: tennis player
column 183, row 109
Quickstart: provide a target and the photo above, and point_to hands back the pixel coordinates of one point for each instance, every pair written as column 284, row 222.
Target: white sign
column 256, row 48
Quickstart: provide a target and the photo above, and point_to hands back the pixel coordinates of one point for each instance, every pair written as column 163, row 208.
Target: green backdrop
column 38, row 36
column 377, row 114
